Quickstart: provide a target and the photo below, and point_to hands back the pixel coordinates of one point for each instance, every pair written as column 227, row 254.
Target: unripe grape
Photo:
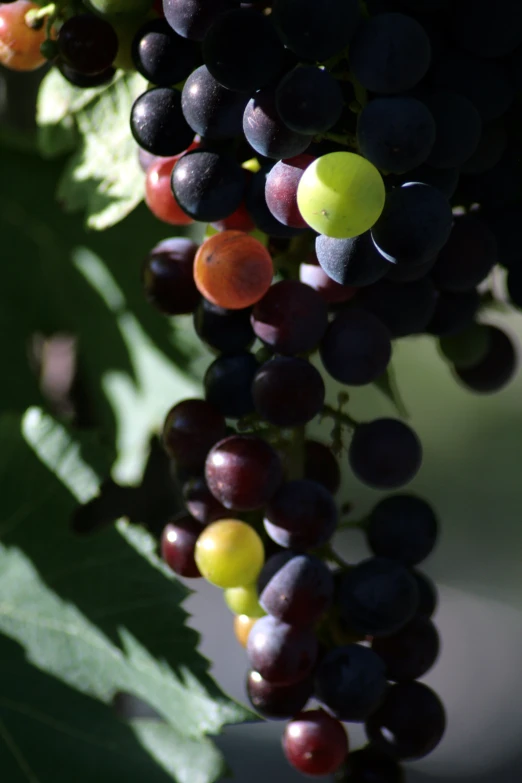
column 229, row 553
column 244, row 600
column 341, row 195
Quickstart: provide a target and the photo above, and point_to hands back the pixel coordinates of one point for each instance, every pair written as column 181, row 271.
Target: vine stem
column 355, row 524
column 338, row 416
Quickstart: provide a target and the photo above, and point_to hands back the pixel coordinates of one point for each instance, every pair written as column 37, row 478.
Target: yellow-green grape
column 229, row 553
column 244, row 600
column 341, row 195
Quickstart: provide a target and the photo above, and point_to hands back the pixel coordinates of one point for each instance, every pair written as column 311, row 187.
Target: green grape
column 467, row 348
column 341, row 195
column 244, row 600
column 229, row 553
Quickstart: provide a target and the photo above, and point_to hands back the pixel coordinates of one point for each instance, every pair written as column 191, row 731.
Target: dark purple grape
column 87, row 44
column 458, row 127
column 377, row 597
column 191, row 428
column 228, row 384
column 282, row 654
column 355, row 261
column 356, row 348
column 404, row 308
column 411, row 652
column 192, row 18
column 277, row 702
column 228, row 331
column 309, row 99
column 242, row 50
column 410, row 722
column 385, row 453
column 157, row 122
column 316, row 31
column 288, row 391
column 351, row 682
column 208, row 185
column 495, row 370
column 295, row 588
column 414, row 224
column 428, row 598
column 85, row 81
column 178, row 542
column 266, row 132
column 201, row 503
column 210, row 109
column 321, row 466
column 243, row 472
column 368, row 765
column 168, row 276
column 467, row 257
column 454, row 311
column 290, row 318
column 403, row 528
column 161, row 55
column 301, row 515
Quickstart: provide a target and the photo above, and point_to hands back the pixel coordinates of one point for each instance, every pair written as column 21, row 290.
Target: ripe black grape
column 301, row 515
column 411, row 652
column 208, row 185
column 410, row 722
column 377, row 597
column 161, row 55
column 277, row 702
column 403, row 528
column 351, row 682
column 385, row 453
column 228, row 384
column 288, row 391
column 158, row 124
column 290, row 318
column 296, row 588
column 281, row 653
column 356, row 348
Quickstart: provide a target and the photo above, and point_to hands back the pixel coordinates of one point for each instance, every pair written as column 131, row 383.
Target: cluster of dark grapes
column 359, row 166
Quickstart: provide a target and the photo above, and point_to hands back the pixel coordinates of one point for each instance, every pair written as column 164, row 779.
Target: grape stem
column 353, row 524
column 36, row 14
column 339, row 416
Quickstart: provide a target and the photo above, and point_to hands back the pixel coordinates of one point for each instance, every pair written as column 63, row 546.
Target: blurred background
column 472, row 474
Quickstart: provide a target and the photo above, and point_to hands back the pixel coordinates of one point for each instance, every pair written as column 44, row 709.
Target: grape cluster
column 358, row 164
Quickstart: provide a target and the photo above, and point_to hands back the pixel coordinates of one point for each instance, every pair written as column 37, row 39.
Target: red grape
column 315, row 743
column 178, row 542
column 19, row 43
column 243, row 472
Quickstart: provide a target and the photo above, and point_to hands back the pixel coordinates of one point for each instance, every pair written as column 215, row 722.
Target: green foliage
column 102, row 178
column 85, row 618
column 95, row 616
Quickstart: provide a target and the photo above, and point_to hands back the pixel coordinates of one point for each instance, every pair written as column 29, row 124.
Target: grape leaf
column 103, row 178
column 58, row 278
column 95, row 616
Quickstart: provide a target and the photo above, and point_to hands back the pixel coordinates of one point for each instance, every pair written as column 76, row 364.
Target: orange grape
column 242, row 627
column 19, row 43
column 233, row 270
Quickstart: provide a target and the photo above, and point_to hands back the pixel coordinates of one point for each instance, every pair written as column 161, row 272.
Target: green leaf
column 57, row 278
column 95, row 616
column 387, row 384
column 103, row 178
